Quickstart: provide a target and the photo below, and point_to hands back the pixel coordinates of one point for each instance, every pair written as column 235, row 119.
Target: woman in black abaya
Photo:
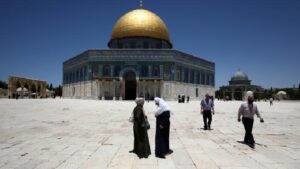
column 141, row 141
column 162, row 142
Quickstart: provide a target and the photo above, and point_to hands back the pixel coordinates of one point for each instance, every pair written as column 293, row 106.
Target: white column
column 102, row 90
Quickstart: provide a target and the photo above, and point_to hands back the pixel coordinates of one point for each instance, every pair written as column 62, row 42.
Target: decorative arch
column 30, row 84
column 18, row 84
column 106, row 70
column 122, row 72
column 238, row 94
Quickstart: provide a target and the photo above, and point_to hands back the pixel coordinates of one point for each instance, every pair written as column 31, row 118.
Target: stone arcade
column 140, row 62
column 27, row 87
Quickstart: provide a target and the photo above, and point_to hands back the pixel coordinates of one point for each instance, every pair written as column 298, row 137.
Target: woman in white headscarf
column 162, row 114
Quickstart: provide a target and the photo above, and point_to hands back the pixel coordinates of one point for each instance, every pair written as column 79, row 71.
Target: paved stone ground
column 65, row 133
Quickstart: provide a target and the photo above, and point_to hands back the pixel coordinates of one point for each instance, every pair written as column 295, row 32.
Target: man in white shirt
column 207, row 108
column 247, row 111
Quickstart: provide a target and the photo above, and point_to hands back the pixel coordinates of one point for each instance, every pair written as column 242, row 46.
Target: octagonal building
column 140, row 62
column 238, row 86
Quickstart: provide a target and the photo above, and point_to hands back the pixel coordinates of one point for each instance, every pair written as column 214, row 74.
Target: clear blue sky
column 261, row 37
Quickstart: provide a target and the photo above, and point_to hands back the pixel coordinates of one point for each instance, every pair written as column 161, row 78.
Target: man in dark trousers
column 207, row 109
column 247, row 111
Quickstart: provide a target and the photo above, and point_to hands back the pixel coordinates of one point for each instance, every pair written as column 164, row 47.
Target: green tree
column 58, row 90
column 51, row 87
column 217, row 94
column 3, row 85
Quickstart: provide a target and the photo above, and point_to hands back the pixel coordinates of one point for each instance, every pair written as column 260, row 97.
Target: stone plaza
column 93, row 134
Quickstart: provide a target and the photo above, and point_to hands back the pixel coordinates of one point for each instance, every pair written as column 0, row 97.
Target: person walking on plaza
column 271, row 101
column 141, row 141
column 247, row 111
column 207, row 109
column 162, row 142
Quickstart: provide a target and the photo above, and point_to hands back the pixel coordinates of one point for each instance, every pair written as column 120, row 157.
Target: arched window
column 70, row 77
column 146, row 45
column 144, row 71
column 167, row 72
column 202, row 78
column 120, row 45
column 178, row 73
column 77, row 75
column 74, row 76
column 81, row 74
column 139, row 45
column 155, row 71
column 117, row 70
column 159, row 45
column 192, row 76
column 106, row 70
column 132, row 45
column 186, row 75
column 207, row 79
column 84, row 73
column 197, row 77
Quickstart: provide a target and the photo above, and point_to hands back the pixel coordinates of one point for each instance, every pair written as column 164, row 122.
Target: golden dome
column 140, row 23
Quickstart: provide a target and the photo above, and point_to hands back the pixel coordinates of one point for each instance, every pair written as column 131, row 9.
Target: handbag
column 131, row 118
column 146, row 123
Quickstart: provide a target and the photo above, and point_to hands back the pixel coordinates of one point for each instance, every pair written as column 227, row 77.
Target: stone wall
column 171, row 90
column 3, row 93
column 80, row 90
column 32, row 85
column 168, row 90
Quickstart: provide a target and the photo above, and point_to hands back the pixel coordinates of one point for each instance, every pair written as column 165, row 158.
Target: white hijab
column 162, row 106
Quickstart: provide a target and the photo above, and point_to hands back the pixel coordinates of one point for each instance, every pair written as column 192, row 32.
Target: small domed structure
column 238, row 86
column 239, row 75
column 239, row 78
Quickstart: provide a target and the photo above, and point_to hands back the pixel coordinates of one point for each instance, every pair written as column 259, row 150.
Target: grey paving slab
column 92, row 134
